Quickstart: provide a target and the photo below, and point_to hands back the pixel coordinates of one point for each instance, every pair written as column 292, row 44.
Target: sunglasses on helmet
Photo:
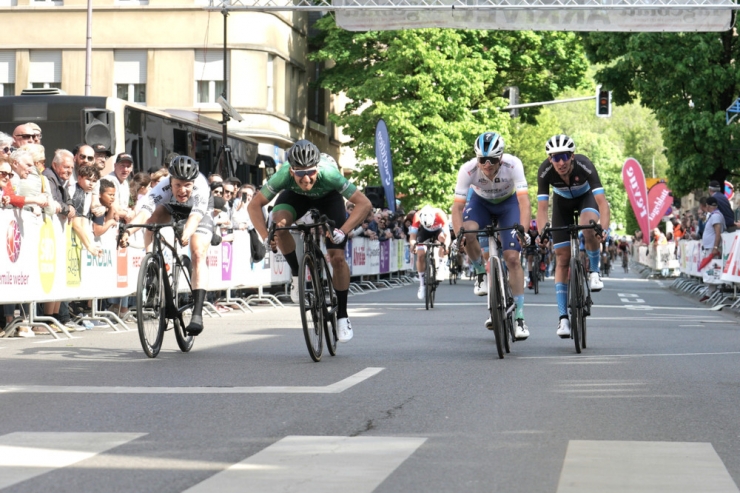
column 561, row 156
column 300, row 173
column 488, row 159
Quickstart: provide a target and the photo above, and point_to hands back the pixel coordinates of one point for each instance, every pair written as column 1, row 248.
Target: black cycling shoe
column 195, row 326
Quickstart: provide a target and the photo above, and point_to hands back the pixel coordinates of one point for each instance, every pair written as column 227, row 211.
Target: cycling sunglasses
column 563, row 156
column 300, row 173
column 487, row 159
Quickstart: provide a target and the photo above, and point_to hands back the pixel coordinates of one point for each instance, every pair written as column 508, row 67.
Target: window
column 209, row 75
column 45, row 3
column 7, row 73
column 317, row 98
column 270, row 82
column 292, row 85
column 129, row 75
column 45, row 70
column 131, row 3
column 8, row 3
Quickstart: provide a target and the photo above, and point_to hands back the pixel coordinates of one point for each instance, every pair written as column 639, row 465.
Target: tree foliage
column 424, row 84
column 687, row 80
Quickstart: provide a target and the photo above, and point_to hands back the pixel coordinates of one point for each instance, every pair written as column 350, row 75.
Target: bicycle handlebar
column 319, row 221
column 573, row 228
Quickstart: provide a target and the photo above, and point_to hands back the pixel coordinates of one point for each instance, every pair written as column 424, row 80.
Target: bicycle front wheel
column 495, row 301
column 330, row 310
column 150, row 310
column 428, row 281
column 575, row 298
column 183, row 302
column 434, row 282
column 311, row 306
column 536, row 274
column 508, row 317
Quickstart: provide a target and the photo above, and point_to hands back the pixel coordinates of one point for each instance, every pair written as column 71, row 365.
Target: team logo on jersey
column 497, row 180
column 482, row 180
column 576, row 178
column 542, row 175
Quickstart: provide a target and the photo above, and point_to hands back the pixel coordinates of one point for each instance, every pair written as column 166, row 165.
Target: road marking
column 315, row 464
column 691, row 326
column 334, row 388
column 26, row 455
column 616, row 356
column 657, row 467
column 483, row 303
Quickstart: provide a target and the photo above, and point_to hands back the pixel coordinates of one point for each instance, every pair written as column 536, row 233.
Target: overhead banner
column 659, row 201
column 634, row 183
column 385, row 164
column 460, row 14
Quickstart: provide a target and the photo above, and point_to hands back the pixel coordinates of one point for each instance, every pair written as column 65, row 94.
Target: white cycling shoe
column 489, row 324
column 344, row 330
column 563, row 328
column 595, row 282
column 420, row 293
column 294, row 297
column 521, row 331
column 481, row 288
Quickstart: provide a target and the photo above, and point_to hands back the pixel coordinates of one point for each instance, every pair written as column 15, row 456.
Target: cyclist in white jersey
column 492, row 187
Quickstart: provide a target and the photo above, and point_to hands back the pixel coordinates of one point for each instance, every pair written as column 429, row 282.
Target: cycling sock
column 478, row 266
column 561, row 294
column 531, row 275
column 421, row 278
column 342, row 303
column 199, row 296
column 292, row 260
column 519, row 313
column 593, row 260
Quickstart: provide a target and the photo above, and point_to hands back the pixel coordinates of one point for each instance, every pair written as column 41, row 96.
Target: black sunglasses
column 8, row 150
column 487, row 159
column 24, row 136
column 88, row 158
column 563, row 156
column 6, row 174
column 300, row 173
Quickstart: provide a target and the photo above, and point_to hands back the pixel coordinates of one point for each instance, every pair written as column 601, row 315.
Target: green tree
column 424, row 84
column 687, row 80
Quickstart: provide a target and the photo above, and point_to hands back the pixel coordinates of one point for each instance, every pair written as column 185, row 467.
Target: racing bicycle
column 579, row 291
column 317, row 299
column 164, row 290
column 500, row 299
column 430, row 273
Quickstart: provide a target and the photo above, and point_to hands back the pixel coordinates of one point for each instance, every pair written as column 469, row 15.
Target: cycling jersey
column 583, row 178
column 509, row 180
column 440, row 219
column 199, row 201
column 329, row 180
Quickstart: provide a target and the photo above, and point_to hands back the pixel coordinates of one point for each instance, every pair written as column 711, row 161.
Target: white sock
column 421, row 278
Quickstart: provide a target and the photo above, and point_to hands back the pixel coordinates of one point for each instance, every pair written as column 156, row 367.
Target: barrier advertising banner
column 634, row 183
column 385, row 164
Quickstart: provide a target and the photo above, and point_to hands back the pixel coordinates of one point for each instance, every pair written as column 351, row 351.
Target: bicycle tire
column 427, row 281
column 574, row 302
column 313, row 326
column 183, row 302
column 586, row 302
column 330, row 310
column 494, row 303
column 150, row 307
column 509, row 318
column 536, row 276
column 434, row 282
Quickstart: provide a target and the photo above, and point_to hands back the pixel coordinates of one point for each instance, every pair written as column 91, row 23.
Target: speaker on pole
column 99, row 128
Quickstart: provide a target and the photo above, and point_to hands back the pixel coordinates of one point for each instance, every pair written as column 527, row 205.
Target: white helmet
column 560, row 143
column 426, row 217
column 489, row 144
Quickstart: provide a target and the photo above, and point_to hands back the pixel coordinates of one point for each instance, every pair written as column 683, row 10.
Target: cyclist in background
column 498, row 193
column 576, row 187
column 307, row 182
column 183, row 195
column 429, row 223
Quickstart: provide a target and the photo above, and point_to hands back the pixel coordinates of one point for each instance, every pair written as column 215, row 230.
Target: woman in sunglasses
column 6, row 147
column 307, row 182
column 492, row 187
column 576, row 187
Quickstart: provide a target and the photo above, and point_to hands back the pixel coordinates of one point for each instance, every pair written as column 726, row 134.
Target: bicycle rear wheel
column 536, row 274
column 181, row 281
column 150, row 305
column 495, row 299
column 311, row 306
column 329, row 310
column 509, row 318
column 575, row 302
column 434, row 282
column 586, row 310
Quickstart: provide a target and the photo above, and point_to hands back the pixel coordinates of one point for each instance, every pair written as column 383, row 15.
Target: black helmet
column 303, row 154
column 184, row 168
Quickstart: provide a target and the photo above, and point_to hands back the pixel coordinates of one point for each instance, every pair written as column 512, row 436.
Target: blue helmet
column 489, row 144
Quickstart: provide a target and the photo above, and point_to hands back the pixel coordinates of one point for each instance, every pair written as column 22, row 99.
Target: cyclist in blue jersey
column 576, row 187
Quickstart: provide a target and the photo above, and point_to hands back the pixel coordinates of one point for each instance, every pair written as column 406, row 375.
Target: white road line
column 613, row 356
column 691, row 326
column 334, row 388
column 315, row 464
column 658, row 467
column 26, row 455
column 526, row 304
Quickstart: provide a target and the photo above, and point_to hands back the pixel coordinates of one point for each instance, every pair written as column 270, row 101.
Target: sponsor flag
column 634, row 183
column 659, row 201
column 385, row 165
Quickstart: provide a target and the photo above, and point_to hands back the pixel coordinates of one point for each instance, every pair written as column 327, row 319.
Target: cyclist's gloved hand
column 527, row 239
column 338, row 236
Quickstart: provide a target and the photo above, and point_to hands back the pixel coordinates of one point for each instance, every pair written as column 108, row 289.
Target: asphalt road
column 417, row 401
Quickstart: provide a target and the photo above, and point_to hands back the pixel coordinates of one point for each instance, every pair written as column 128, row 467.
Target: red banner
column 634, row 183
column 659, row 200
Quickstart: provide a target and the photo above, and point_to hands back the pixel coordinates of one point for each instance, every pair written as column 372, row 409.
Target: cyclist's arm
column 525, row 210
column 255, row 213
column 358, row 214
column 542, row 204
column 457, row 215
column 604, row 211
column 190, row 226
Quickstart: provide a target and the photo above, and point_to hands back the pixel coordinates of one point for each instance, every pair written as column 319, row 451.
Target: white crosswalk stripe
column 25, row 455
column 655, row 467
column 309, row 464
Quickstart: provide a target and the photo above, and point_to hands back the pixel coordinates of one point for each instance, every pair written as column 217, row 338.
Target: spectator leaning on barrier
column 121, row 171
column 723, row 205
column 22, row 164
column 39, row 155
column 6, row 147
column 87, row 177
column 239, row 214
column 101, row 155
column 60, row 171
column 711, row 241
column 5, row 174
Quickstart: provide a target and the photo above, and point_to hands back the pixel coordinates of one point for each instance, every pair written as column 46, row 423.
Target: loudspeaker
column 376, row 195
column 99, row 128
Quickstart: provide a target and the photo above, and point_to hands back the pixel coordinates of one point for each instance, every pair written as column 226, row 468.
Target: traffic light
column 603, row 103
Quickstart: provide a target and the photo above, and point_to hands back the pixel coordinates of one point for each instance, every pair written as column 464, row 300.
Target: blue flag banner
column 385, row 165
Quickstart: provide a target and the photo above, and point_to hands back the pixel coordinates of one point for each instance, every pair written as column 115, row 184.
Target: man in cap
column 101, row 155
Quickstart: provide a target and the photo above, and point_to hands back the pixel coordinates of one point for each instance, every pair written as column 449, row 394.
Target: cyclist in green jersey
column 308, row 182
